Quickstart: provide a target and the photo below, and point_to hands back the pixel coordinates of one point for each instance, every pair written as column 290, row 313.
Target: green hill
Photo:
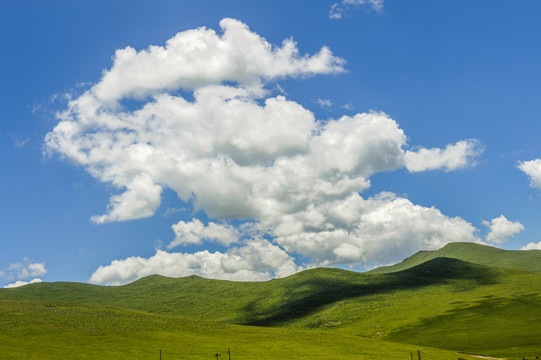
column 475, row 253
column 443, row 302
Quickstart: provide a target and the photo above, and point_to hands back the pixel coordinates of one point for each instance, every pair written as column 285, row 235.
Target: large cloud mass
column 207, row 127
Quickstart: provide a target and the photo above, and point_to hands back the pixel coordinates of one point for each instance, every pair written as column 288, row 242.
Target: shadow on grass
column 311, row 293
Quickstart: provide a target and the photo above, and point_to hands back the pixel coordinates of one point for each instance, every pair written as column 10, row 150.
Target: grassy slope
column 474, row 253
column 33, row 330
column 445, row 303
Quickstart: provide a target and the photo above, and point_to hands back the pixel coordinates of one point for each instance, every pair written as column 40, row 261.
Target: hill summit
column 474, row 253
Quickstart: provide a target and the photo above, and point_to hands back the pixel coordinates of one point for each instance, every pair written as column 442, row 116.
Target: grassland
column 441, row 303
column 32, row 330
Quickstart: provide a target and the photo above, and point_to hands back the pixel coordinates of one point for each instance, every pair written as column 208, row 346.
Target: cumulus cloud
column 256, row 260
column 32, row 270
column 23, row 270
column 355, row 230
column 195, row 232
column 532, row 246
column 455, row 156
column 206, row 127
column 140, row 200
column 532, row 168
column 502, row 229
column 195, row 58
column 21, row 283
column 339, row 9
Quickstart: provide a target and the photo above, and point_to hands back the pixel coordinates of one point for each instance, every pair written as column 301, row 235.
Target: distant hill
column 474, row 253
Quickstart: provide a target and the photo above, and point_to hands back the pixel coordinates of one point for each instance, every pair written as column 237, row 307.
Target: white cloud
column 195, row 232
column 196, row 58
column 18, row 142
column 384, row 229
column 325, row 103
column 532, row 168
column 21, row 283
column 338, row 9
column 237, row 152
column 532, row 246
column 502, row 229
column 24, row 270
column 32, row 270
column 257, row 260
column 455, row 156
column 348, row 106
column 140, row 200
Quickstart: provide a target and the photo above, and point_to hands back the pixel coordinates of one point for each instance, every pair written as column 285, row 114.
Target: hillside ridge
column 527, row 260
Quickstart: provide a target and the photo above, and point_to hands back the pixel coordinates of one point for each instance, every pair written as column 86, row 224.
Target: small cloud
column 61, row 97
column 24, row 270
column 22, row 283
column 532, row 246
column 172, row 211
column 35, row 107
column 511, row 154
column 462, row 154
column 348, row 106
column 335, row 12
column 324, row 103
column 502, row 229
column 281, row 90
column 18, row 142
column 532, row 169
column 338, row 10
column 32, row 270
column 195, row 232
column 84, row 84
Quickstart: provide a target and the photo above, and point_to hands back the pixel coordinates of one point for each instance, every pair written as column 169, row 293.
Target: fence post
column 419, row 354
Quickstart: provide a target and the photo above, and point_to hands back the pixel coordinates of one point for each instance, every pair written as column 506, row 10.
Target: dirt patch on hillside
column 482, row 356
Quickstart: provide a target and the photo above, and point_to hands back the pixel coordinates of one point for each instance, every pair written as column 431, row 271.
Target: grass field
column 443, row 303
column 32, row 330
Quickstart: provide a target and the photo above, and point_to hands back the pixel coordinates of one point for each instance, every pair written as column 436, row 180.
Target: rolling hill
column 474, row 253
column 442, row 302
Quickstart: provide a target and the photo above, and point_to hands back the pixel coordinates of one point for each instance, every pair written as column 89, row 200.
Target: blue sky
column 377, row 129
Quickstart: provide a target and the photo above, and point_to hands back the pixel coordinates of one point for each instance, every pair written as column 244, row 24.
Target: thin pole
column 229, row 353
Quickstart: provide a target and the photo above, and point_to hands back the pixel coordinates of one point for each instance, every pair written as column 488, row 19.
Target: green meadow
column 443, row 306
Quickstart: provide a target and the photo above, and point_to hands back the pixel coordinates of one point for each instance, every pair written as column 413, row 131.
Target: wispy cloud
column 338, row 10
column 18, row 142
column 324, row 103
